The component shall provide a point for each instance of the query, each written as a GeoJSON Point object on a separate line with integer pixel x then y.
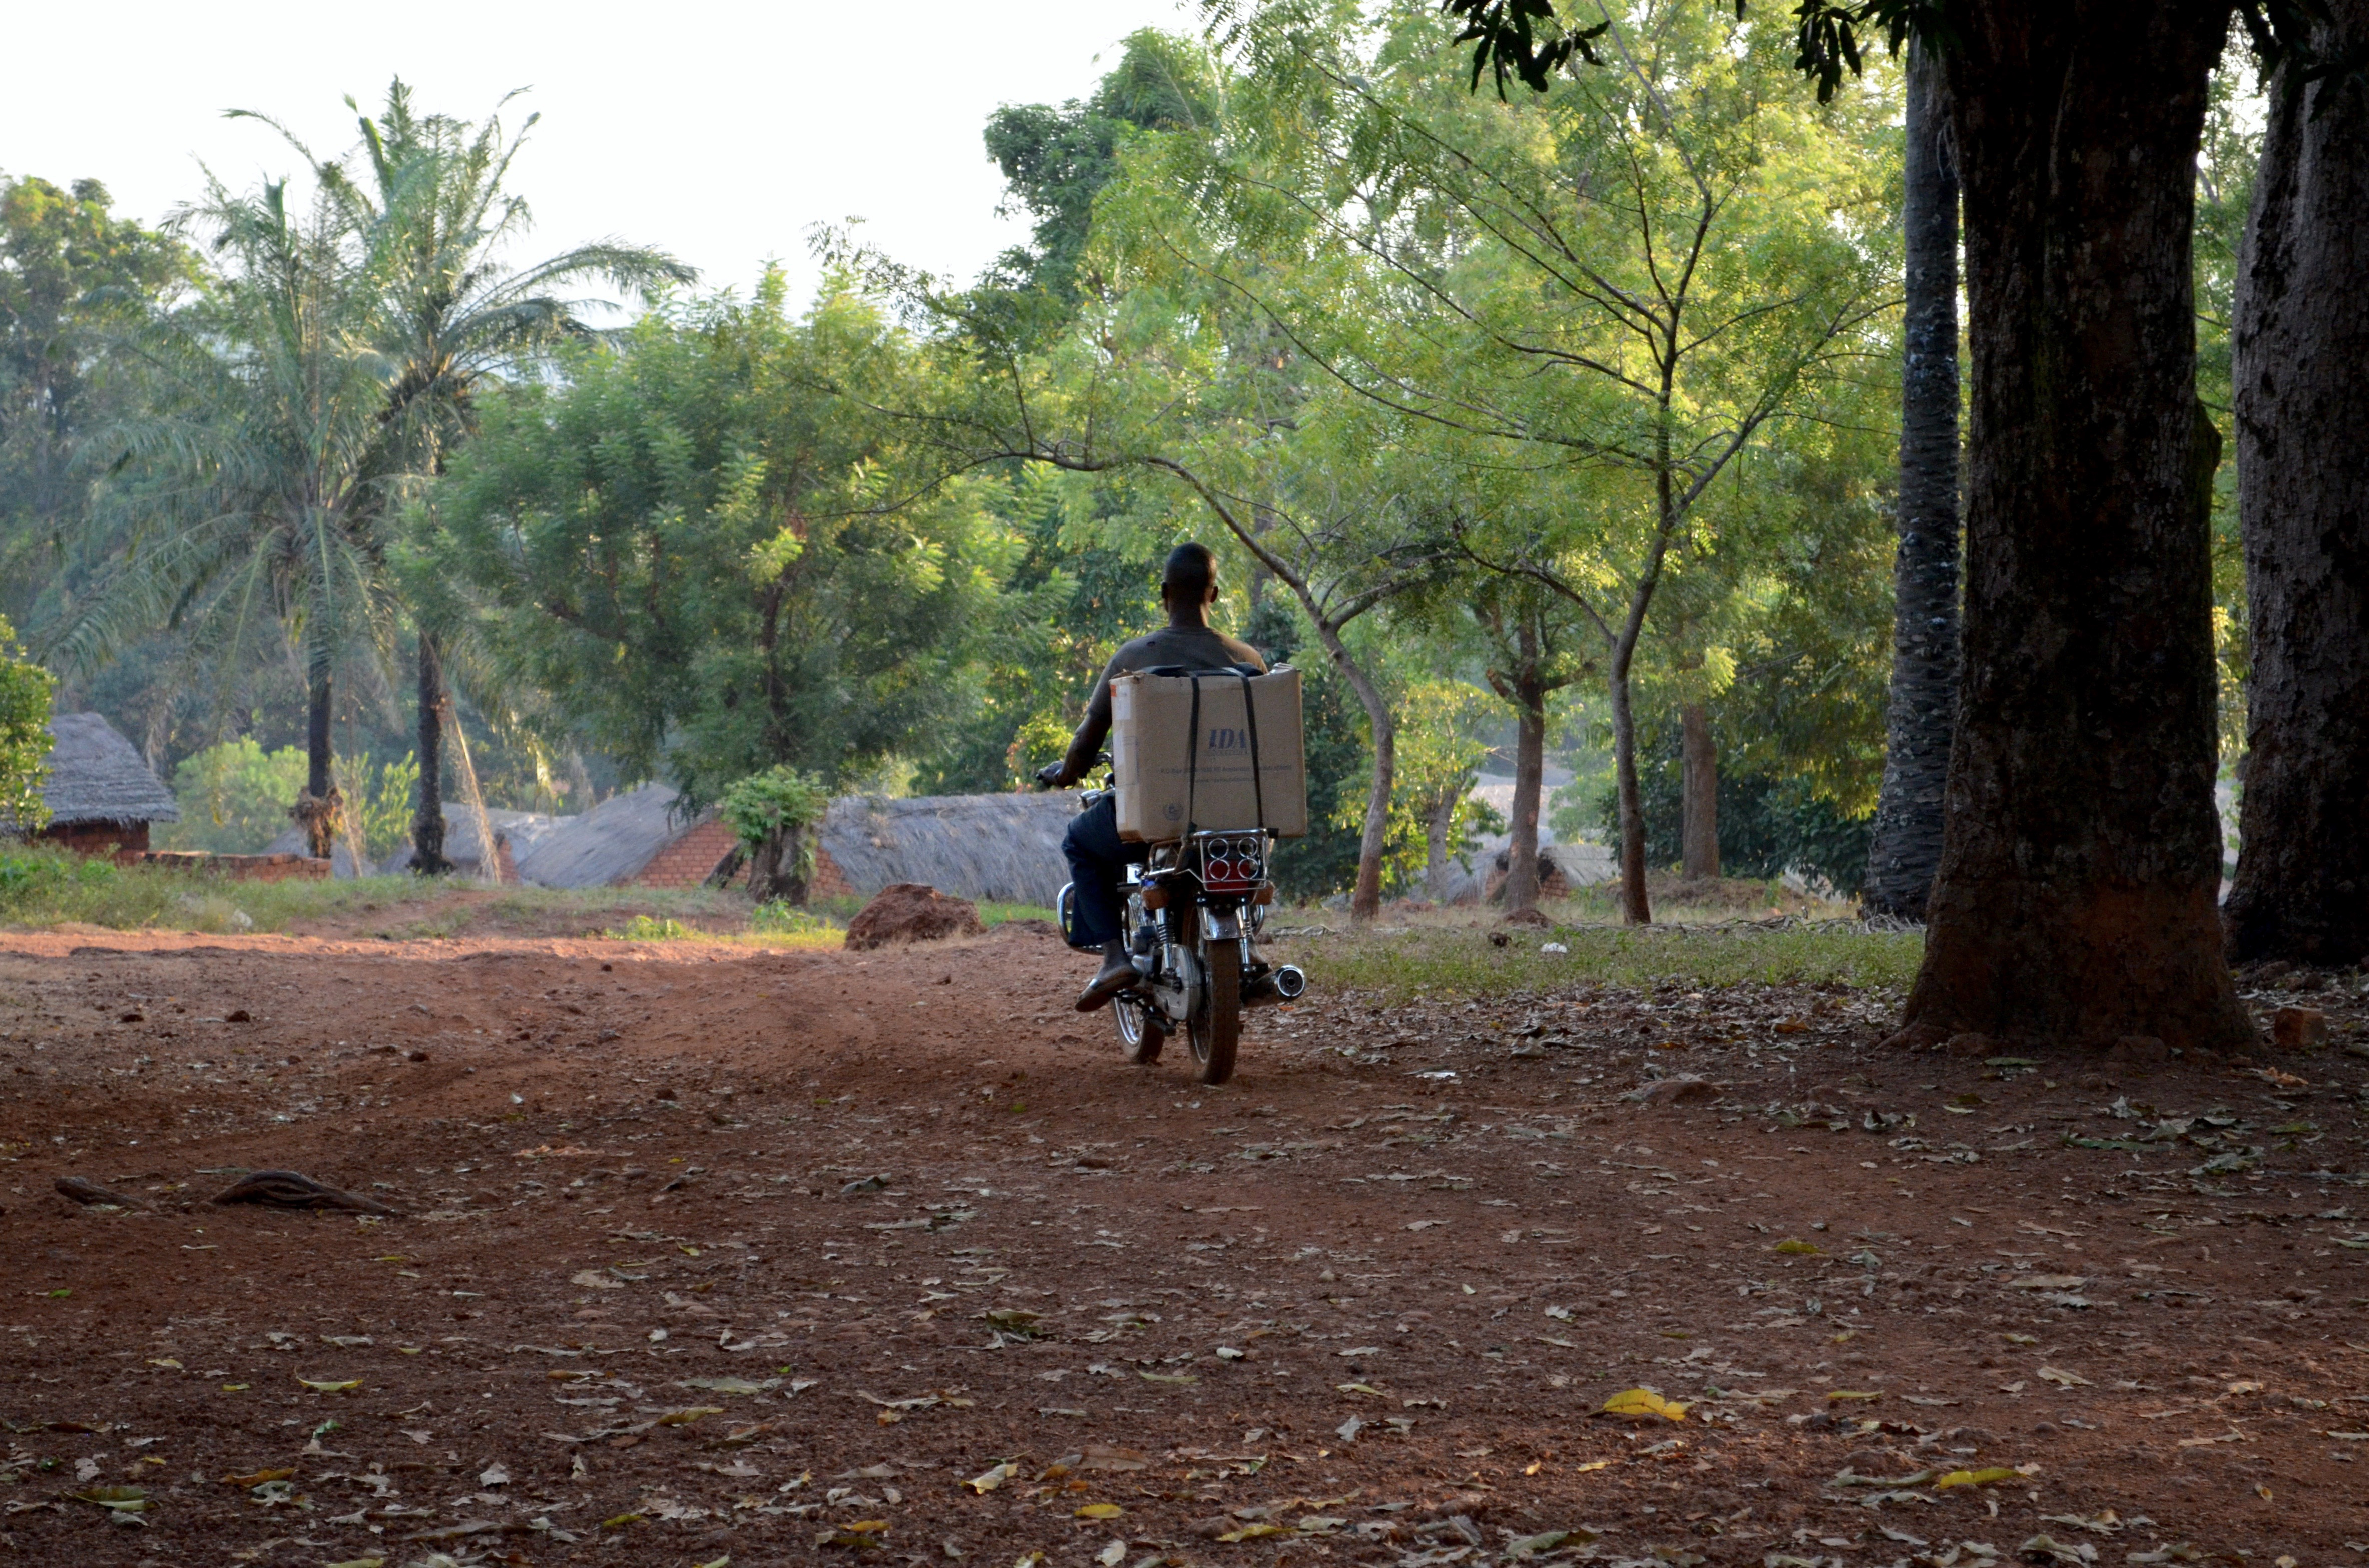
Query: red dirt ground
{"type": "Point", "coordinates": [932, 1225]}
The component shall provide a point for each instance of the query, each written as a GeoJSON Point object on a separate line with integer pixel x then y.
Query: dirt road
{"type": "Point", "coordinates": [704, 1253]}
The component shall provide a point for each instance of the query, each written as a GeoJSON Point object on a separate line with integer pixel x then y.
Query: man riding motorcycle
{"type": "Point", "coordinates": [1098, 856]}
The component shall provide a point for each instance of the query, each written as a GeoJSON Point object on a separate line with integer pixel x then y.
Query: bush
{"type": "Point", "coordinates": [1766, 827]}
{"type": "Point", "coordinates": [775, 918]}
{"type": "Point", "coordinates": [234, 799]}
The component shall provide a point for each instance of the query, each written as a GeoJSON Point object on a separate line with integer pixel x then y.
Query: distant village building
{"type": "Point", "coordinates": [101, 794]}
{"type": "Point", "coordinates": [1005, 847]}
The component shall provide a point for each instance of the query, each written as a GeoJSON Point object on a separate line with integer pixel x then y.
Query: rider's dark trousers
{"type": "Point", "coordinates": [1098, 861]}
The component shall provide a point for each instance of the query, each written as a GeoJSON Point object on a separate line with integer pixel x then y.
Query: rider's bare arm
{"type": "Point", "coordinates": [1087, 743]}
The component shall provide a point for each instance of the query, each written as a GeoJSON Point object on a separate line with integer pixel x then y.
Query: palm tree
{"type": "Point", "coordinates": [1906, 848]}
{"type": "Point", "coordinates": [432, 215]}
{"type": "Point", "coordinates": [251, 485]}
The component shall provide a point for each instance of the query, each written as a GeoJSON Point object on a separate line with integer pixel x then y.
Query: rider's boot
{"type": "Point", "coordinates": [1118, 973]}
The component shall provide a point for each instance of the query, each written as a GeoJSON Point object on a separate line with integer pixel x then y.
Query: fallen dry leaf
{"type": "Point", "coordinates": [1643, 1403]}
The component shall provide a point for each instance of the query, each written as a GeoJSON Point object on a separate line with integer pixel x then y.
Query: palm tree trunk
{"type": "Point", "coordinates": [2302, 494]}
{"type": "Point", "coordinates": [1698, 784]}
{"type": "Point", "coordinates": [1907, 844]}
{"type": "Point", "coordinates": [318, 808]}
{"type": "Point", "coordinates": [427, 827]}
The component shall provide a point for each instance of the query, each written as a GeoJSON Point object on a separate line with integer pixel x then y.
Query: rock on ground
{"type": "Point", "coordinates": [912, 912]}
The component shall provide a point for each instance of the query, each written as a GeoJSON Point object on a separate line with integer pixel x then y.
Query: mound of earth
{"type": "Point", "coordinates": [912, 912]}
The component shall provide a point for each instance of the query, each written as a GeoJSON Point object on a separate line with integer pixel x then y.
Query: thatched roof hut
{"type": "Point", "coordinates": [1001, 847]}
{"type": "Point", "coordinates": [100, 792]}
{"type": "Point", "coordinates": [98, 778]}
{"type": "Point", "coordinates": [1006, 847]}
{"type": "Point", "coordinates": [612, 843]}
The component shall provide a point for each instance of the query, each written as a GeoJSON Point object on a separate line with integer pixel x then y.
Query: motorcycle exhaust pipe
{"type": "Point", "coordinates": [1284, 984]}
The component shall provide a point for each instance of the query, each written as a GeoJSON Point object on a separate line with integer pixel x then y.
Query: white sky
{"type": "Point", "coordinates": [720, 130]}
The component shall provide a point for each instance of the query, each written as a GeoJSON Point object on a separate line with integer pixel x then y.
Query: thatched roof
{"type": "Point", "coordinates": [520, 830]}
{"type": "Point", "coordinates": [607, 845]}
{"type": "Point", "coordinates": [95, 775]}
{"type": "Point", "coordinates": [1002, 847]}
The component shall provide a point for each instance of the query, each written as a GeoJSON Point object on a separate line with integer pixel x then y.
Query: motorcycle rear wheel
{"type": "Point", "coordinates": [1216, 1027]}
{"type": "Point", "coordinates": [1140, 1034]}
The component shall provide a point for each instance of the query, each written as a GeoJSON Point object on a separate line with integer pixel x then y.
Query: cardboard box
{"type": "Point", "coordinates": [1157, 765]}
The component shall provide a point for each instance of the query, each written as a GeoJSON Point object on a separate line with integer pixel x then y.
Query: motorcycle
{"type": "Point", "coordinates": [1195, 911]}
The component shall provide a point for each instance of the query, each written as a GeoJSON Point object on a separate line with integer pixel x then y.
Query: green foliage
{"type": "Point", "coordinates": [1083, 583]}
{"type": "Point", "coordinates": [1339, 761]}
{"type": "Point", "coordinates": [712, 559]}
{"type": "Point", "coordinates": [245, 496]}
{"type": "Point", "coordinates": [650, 928]}
{"type": "Point", "coordinates": [71, 278]}
{"type": "Point", "coordinates": [32, 874]}
{"type": "Point", "coordinates": [379, 800]}
{"type": "Point", "coordinates": [2224, 195]}
{"type": "Point", "coordinates": [1767, 826]}
{"type": "Point", "coordinates": [775, 918]}
{"type": "Point", "coordinates": [235, 797]}
{"type": "Point", "coordinates": [25, 691]}
{"type": "Point", "coordinates": [777, 800]}
{"type": "Point", "coordinates": [1056, 161]}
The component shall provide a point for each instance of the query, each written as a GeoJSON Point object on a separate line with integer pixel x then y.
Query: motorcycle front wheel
{"type": "Point", "coordinates": [1216, 1026]}
{"type": "Point", "coordinates": [1140, 1029]}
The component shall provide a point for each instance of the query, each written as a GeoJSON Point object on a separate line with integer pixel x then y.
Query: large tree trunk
{"type": "Point", "coordinates": [2076, 899]}
{"type": "Point", "coordinates": [1634, 910]}
{"type": "Point", "coordinates": [1906, 843]}
{"type": "Point", "coordinates": [2301, 376]}
{"type": "Point", "coordinates": [427, 827]}
{"type": "Point", "coordinates": [1698, 788]}
{"type": "Point", "coordinates": [1529, 772]}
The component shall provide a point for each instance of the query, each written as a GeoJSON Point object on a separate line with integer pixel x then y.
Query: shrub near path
{"type": "Point", "coordinates": [709, 1250]}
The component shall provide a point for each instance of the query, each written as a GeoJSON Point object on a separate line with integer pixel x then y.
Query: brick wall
{"type": "Point", "coordinates": [686, 862]}
{"type": "Point", "coordinates": [830, 882]}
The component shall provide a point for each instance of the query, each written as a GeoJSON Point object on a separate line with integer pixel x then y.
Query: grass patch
{"type": "Point", "coordinates": [42, 885]}
{"type": "Point", "coordinates": [1464, 963]}
{"type": "Point", "coordinates": [993, 914]}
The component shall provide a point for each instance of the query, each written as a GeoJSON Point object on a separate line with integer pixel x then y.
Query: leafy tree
{"type": "Point", "coordinates": [2076, 894]}
{"type": "Point", "coordinates": [24, 689]}
{"type": "Point", "coordinates": [429, 205]}
{"type": "Point", "coordinates": [71, 275]}
{"type": "Point", "coordinates": [1620, 291]}
{"type": "Point", "coordinates": [1057, 161]}
{"type": "Point", "coordinates": [235, 797]}
{"type": "Point", "coordinates": [252, 484]}
{"type": "Point", "coordinates": [713, 558]}
{"type": "Point", "coordinates": [772, 815]}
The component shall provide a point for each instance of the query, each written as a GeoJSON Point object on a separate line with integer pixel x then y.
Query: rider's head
{"type": "Point", "coordinates": [1190, 578]}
